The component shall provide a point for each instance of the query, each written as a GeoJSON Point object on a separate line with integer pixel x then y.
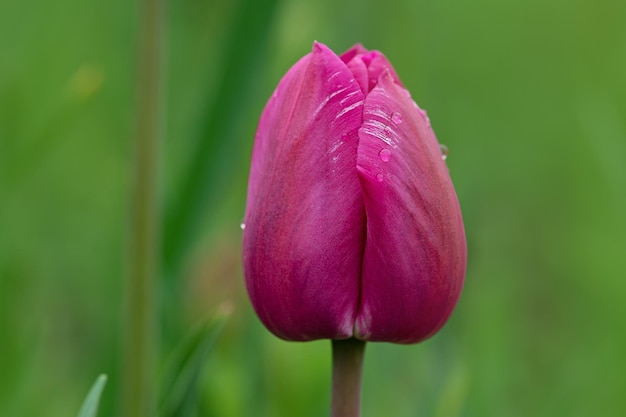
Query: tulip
{"type": "Point", "coordinates": [352, 226]}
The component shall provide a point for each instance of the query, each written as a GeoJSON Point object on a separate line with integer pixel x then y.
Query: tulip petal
{"type": "Point", "coordinates": [374, 63]}
{"type": "Point", "coordinates": [377, 63]}
{"type": "Point", "coordinates": [359, 70]}
{"type": "Point", "coordinates": [357, 49]}
{"type": "Point", "coordinates": [305, 221]}
{"type": "Point", "coordinates": [414, 258]}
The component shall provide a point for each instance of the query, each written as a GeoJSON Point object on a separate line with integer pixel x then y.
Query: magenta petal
{"type": "Point", "coordinates": [359, 70]}
{"type": "Point", "coordinates": [377, 64]}
{"type": "Point", "coordinates": [414, 259]}
{"type": "Point", "coordinates": [374, 62]}
{"type": "Point", "coordinates": [357, 49]}
{"type": "Point", "coordinates": [305, 221]}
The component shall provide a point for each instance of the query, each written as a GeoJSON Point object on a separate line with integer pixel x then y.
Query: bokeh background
{"type": "Point", "coordinates": [529, 96]}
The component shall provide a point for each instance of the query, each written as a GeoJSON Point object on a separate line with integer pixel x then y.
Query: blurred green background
{"type": "Point", "coordinates": [529, 96]}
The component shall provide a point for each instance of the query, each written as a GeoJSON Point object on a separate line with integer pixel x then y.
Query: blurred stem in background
{"type": "Point", "coordinates": [144, 246]}
{"type": "Point", "coordinates": [347, 370]}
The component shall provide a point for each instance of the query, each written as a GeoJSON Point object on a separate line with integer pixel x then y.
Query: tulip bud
{"type": "Point", "coordinates": [352, 225]}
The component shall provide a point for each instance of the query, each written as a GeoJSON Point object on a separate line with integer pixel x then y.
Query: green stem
{"type": "Point", "coordinates": [144, 234]}
{"type": "Point", "coordinates": [347, 369]}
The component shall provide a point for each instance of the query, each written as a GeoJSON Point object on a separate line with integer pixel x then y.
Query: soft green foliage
{"type": "Point", "coordinates": [529, 96]}
{"type": "Point", "coordinates": [179, 383]}
{"type": "Point", "coordinates": [90, 405]}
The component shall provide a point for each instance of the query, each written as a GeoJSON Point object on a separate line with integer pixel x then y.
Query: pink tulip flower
{"type": "Point", "coordinates": [352, 224]}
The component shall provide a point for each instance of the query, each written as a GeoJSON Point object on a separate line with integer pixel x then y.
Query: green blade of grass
{"type": "Point", "coordinates": [90, 405]}
{"type": "Point", "coordinates": [208, 176]}
{"type": "Point", "coordinates": [181, 376]}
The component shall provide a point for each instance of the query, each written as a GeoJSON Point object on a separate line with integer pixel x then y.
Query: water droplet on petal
{"type": "Point", "coordinates": [444, 151]}
{"type": "Point", "coordinates": [242, 226]}
{"type": "Point", "coordinates": [380, 177]}
{"type": "Point", "coordinates": [384, 155]}
{"type": "Point", "coordinates": [396, 117]}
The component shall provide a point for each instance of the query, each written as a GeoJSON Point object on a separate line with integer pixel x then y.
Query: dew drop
{"type": "Point", "coordinates": [444, 151]}
{"type": "Point", "coordinates": [242, 226]}
{"type": "Point", "coordinates": [396, 117]}
{"type": "Point", "coordinates": [380, 177]}
{"type": "Point", "coordinates": [385, 155]}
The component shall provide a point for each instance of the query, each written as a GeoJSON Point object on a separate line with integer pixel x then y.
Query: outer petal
{"type": "Point", "coordinates": [305, 220]}
{"type": "Point", "coordinates": [415, 253]}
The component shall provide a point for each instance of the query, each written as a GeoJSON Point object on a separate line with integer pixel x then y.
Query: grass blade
{"type": "Point", "coordinates": [90, 405]}
{"type": "Point", "coordinates": [208, 174]}
{"type": "Point", "coordinates": [180, 382]}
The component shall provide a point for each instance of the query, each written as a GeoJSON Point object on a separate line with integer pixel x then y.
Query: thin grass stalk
{"type": "Point", "coordinates": [144, 239]}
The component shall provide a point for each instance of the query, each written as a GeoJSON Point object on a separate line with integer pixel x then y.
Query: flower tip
{"type": "Point", "coordinates": [356, 49]}
{"type": "Point", "coordinates": [359, 48]}
{"type": "Point", "coordinates": [319, 49]}
{"type": "Point", "coordinates": [318, 46]}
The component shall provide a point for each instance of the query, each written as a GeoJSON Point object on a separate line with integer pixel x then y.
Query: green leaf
{"type": "Point", "coordinates": [90, 405]}
{"type": "Point", "coordinates": [209, 172]}
{"type": "Point", "coordinates": [181, 375]}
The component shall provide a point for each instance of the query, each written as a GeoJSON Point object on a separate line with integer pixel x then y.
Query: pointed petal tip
{"type": "Point", "coordinates": [319, 46]}
{"type": "Point", "coordinates": [321, 50]}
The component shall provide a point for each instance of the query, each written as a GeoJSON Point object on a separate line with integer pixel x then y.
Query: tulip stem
{"type": "Point", "coordinates": [347, 369]}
